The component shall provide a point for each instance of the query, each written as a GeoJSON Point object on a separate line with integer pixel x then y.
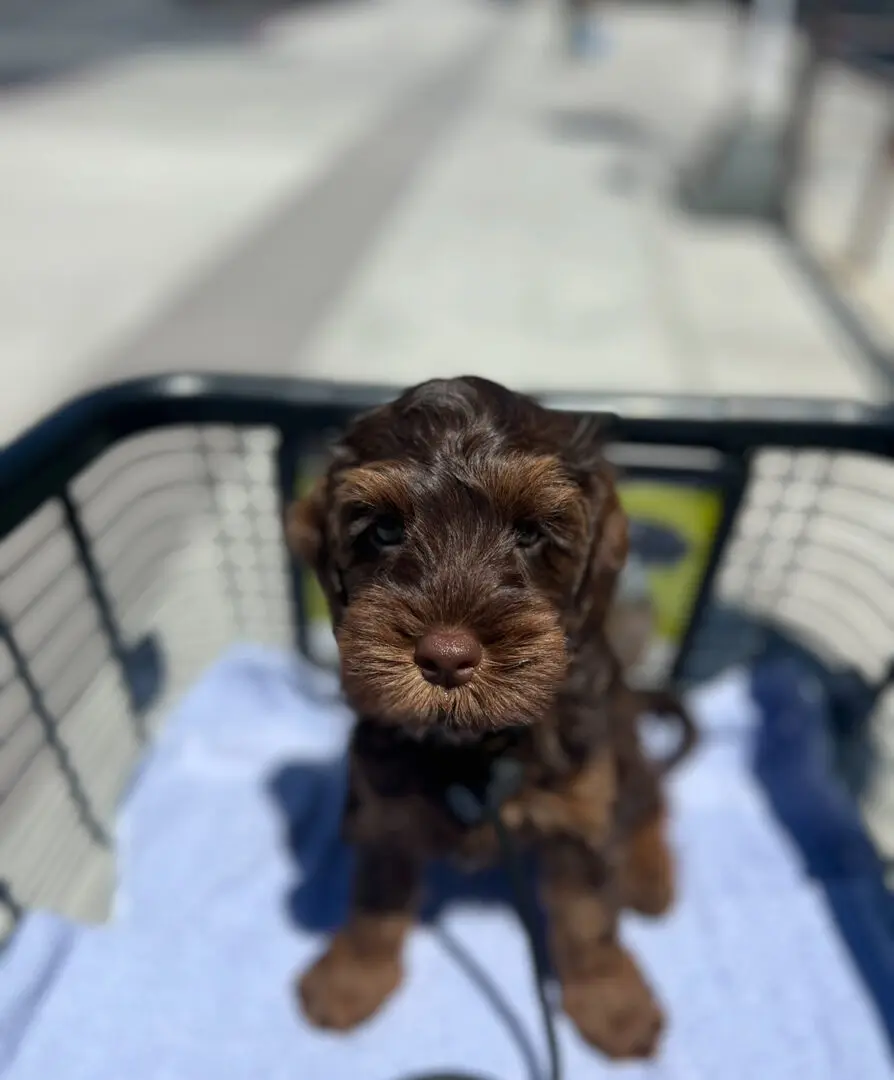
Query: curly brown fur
{"type": "Point", "coordinates": [469, 524]}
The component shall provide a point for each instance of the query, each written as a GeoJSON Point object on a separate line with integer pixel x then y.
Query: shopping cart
{"type": "Point", "coordinates": [141, 537]}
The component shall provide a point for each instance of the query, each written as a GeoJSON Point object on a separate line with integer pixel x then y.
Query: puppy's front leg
{"type": "Point", "coordinates": [363, 965]}
{"type": "Point", "coordinates": [646, 871]}
{"type": "Point", "coordinates": [603, 991]}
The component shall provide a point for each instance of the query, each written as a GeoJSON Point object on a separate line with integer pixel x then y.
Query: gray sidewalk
{"type": "Point", "coordinates": [541, 244]}
{"type": "Point", "coordinates": [387, 191]}
{"type": "Point", "coordinates": [851, 241]}
{"type": "Point", "coordinates": [127, 183]}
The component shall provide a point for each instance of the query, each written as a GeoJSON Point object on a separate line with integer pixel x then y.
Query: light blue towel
{"type": "Point", "coordinates": [221, 902]}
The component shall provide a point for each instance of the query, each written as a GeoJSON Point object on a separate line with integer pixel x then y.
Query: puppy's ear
{"type": "Point", "coordinates": [609, 545]}
{"type": "Point", "coordinates": [614, 545]}
{"type": "Point", "coordinates": [306, 524]}
{"type": "Point", "coordinates": [584, 451]}
{"type": "Point", "coordinates": [309, 539]}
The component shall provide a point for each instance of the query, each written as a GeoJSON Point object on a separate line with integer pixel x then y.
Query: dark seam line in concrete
{"type": "Point", "coordinates": [873, 357]}
{"type": "Point", "coordinates": [258, 309]}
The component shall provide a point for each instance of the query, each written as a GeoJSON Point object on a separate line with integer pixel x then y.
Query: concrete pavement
{"type": "Point", "coordinates": [554, 255]}
{"type": "Point", "coordinates": [854, 246]}
{"type": "Point", "coordinates": [125, 183]}
{"type": "Point", "coordinates": [204, 203]}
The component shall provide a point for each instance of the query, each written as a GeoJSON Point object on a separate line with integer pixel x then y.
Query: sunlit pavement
{"type": "Point", "coordinates": [378, 189]}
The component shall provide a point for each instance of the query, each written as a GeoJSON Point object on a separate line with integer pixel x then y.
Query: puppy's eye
{"type": "Point", "coordinates": [529, 534]}
{"type": "Point", "coordinates": [387, 531]}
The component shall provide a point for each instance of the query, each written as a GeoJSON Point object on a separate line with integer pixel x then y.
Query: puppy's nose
{"type": "Point", "coordinates": [448, 657]}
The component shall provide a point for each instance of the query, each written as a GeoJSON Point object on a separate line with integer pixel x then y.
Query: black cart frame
{"type": "Point", "coordinates": [152, 491]}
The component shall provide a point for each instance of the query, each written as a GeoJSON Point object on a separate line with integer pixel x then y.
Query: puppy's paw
{"type": "Point", "coordinates": [616, 1012]}
{"type": "Point", "coordinates": [342, 990]}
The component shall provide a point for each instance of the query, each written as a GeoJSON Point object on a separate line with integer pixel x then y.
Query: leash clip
{"type": "Point", "coordinates": [506, 777]}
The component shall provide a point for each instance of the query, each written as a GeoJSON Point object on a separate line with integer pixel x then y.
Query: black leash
{"type": "Point", "coordinates": [505, 781]}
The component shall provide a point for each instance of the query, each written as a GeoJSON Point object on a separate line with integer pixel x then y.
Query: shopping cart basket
{"type": "Point", "coordinates": [141, 537]}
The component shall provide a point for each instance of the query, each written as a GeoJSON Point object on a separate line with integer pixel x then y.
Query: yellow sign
{"type": "Point", "coordinates": [672, 529]}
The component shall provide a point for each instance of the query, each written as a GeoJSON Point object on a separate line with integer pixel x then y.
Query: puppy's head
{"type": "Point", "coordinates": [466, 539]}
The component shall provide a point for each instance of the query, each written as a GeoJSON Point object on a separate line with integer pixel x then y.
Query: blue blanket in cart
{"type": "Point", "coordinates": [230, 873]}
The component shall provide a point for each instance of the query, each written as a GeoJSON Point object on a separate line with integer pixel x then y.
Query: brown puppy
{"type": "Point", "coordinates": [468, 541]}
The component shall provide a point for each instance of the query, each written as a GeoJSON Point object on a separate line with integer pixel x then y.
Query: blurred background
{"type": "Point", "coordinates": [657, 197]}
{"type": "Point", "coordinates": [681, 198]}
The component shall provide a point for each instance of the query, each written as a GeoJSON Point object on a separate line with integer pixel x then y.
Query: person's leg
{"type": "Point", "coordinates": [584, 32]}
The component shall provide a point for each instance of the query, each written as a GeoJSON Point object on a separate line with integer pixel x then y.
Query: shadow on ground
{"type": "Point", "coordinates": [45, 40]}
{"type": "Point", "coordinates": [600, 126]}
{"type": "Point", "coordinates": [308, 799]}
